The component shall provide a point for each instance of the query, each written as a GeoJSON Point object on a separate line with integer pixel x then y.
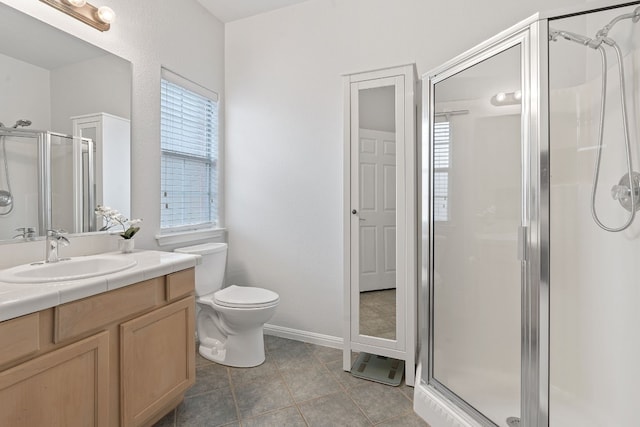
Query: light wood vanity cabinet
{"type": "Point", "coordinates": [157, 360]}
{"type": "Point", "coordinates": [120, 358]}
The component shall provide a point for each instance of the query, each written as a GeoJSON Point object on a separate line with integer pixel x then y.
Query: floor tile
{"type": "Point", "coordinates": [272, 342]}
{"type": "Point", "coordinates": [261, 396]}
{"type": "Point", "coordinates": [409, 420]}
{"type": "Point", "coordinates": [287, 417]}
{"type": "Point", "coordinates": [215, 408]}
{"type": "Point", "coordinates": [406, 390]}
{"type": "Point", "coordinates": [325, 354]}
{"type": "Point", "coordinates": [299, 384]}
{"type": "Point", "coordinates": [380, 402]}
{"type": "Point", "coordinates": [243, 375]}
{"type": "Point", "coordinates": [295, 354]}
{"type": "Point", "coordinates": [168, 420]}
{"type": "Point", "coordinates": [378, 313]}
{"type": "Point", "coordinates": [333, 410]}
{"type": "Point", "coordinates": [343, 377]}
{"type": "Point", "coordinates": [208, 378]}
{"type": "Point", "coordinates": [310, 382]}
{"type": "Point", "coordinates": [200, 361]}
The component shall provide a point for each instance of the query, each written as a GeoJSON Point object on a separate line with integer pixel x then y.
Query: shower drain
{"type": "Point", "coordinates": [513, 422]}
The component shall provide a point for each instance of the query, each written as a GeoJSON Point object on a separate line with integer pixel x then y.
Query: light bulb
{"type": "Point", "coordinates": [77, 3]}
{"type": "Point", "coordinates": [106, 14]}
{"type": "Point", "coordinates": [517, 95]}
{"type": "Point", "coordinates": [501, 96]}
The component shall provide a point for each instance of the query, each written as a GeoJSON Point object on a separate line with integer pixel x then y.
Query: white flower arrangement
{"type": "Point", "coordinates": [114, 218]}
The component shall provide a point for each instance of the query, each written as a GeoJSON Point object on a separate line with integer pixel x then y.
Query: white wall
{"type": "Point", "coordinates": [28, 88]}
{"type": "Point", "coordinates": [284, 129]}
{"type": "Point", "coordinates": [97, 85]}
{"type": "Point", "coordinates": [178, 34]}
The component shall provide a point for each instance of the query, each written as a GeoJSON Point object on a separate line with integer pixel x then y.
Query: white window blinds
{"type": "Point", "coordinates": [441, 164]}
{"type": "Point", "coordinates": [189, 144]}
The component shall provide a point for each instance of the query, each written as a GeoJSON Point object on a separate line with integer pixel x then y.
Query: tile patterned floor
{"type": "Point", "coordinates": [298, 385]}
{"type": "Point", "coordinates": [378, 313]}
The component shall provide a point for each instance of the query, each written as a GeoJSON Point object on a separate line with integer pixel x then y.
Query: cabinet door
{"type": "Point", "coordinates": [67, 387]}
{"type": "Point", "coordinates": [157, 360]}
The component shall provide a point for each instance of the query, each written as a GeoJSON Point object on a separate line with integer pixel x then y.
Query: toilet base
{"type": "Point", "coordinates": [244, 350]}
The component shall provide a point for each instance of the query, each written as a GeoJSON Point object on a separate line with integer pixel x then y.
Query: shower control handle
{"type": "Point", "coordinates": [620, 191]}
{"type": "Point", "coordinates": [627, 191]}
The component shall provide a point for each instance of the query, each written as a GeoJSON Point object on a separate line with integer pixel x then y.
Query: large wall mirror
{"type": "Point", "coordinates": [375, 235]}
{"type": "Point", "coordinates": [380, 237]}
{"type": "Point", "coordinates": [52, 84]}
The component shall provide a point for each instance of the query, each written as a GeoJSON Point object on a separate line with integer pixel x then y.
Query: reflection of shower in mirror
{"type": "Point", "coordinates": [6, 198]}
{"type": "Point", "coordinates": [47, 180]}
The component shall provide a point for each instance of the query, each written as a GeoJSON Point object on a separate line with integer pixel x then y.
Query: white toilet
{"type": "Point", "coordinates": [230, 320]}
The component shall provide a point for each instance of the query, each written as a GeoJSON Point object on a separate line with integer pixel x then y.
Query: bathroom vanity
{"type": "Point", "coordinates": [117, 349]}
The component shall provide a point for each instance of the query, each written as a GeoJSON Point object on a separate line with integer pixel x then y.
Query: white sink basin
{"type": "Point", "coordinates": [71, 269]}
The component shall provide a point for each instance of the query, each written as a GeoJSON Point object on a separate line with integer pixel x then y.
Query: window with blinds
{"type": "Point", "coordinates": [189, 144]}
{"type": "Point", "coordinates": [441, 164]}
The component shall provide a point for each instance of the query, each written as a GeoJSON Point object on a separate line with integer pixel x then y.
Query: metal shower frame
{"type": "Point", "coordinates": [532, 35]}
{"type": "Point", "coordinates": [43, 140]}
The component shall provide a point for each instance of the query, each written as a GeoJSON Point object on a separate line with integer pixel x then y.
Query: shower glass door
{"type": "Point", "coordinates": [476, 198]}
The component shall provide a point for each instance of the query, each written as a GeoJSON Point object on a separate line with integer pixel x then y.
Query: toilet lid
{"type": "Point", "coordinates": [245, 296]}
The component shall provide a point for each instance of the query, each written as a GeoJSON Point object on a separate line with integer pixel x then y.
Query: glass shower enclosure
{"type": "Point", "coordinates": [47, 180]}
{"type": "Point", "coordinates": [530, 243]}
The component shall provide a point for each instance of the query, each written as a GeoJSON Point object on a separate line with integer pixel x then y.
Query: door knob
{"type": "Point", "coordinates": [354, 211]}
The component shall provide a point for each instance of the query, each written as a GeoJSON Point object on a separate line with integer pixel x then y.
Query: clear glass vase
{"type": "Point", "coordinates": [126, 245]}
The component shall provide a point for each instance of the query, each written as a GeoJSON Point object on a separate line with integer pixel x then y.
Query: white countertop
{"type": "Point", "coordinates": [18, 299]}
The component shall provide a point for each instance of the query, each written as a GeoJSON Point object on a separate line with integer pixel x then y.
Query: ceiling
{"type": "Point", "coordinates": [231, 10]}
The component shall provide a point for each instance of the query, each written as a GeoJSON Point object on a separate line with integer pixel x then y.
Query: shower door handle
{"type": "Point", "coordinates": [522, 243]}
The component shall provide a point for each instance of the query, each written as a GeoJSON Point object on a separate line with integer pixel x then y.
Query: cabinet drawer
{"type": "Point", "coordinates": [180, 284]}
{"type": "Point", "coordinates": [92, 313]}
{"type": "Point", "coordinates": [19, 337]}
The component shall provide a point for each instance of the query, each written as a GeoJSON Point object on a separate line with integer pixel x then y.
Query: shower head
{"type": "Point", "coordinates": [23, 123]}
{"type": "Point", "coordinates": [568, 35]}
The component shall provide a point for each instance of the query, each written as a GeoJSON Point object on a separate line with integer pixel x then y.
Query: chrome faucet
{"type": "Point", "coordinates": [54, 240]}
{"type": "Point", "coordinates": [26, 233]}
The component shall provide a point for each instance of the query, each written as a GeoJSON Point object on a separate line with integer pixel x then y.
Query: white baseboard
{"type": "Point", "coordinates": [304, 336]}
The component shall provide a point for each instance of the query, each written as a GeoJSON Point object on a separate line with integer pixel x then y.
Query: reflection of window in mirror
{"type": "Point", "coordinates": [189, 144]}
{"type": "Point", "coordinates": [441, 164]}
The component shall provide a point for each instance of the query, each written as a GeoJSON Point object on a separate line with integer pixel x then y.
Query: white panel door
{"type": "Point", "coordinates": [377, 185]}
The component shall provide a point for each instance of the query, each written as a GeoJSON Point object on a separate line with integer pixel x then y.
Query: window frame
{"type": "Point", "coordinates": [190, 232]}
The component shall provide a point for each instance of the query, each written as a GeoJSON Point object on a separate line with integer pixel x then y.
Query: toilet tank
{"type": "Point", "coordinates": [210, 270]}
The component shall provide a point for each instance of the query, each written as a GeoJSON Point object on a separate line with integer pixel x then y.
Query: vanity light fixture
{"type": "Point", "coordinates": [506, 98]}
{"type": "Point", "coordinates": [99, 18]}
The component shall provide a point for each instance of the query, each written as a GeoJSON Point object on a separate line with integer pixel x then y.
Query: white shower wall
{"type": "Point", "coordinates": [594, 274]}
{"type": "Point", "coordinates": [23, 178]}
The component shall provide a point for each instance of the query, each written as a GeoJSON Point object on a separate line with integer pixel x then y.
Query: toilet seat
{"type": "Point", "coordinates": [242, 297]}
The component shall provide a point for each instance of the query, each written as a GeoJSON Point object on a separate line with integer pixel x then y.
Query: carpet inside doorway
{"type": "Point", "coordinates": [380, 369]}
